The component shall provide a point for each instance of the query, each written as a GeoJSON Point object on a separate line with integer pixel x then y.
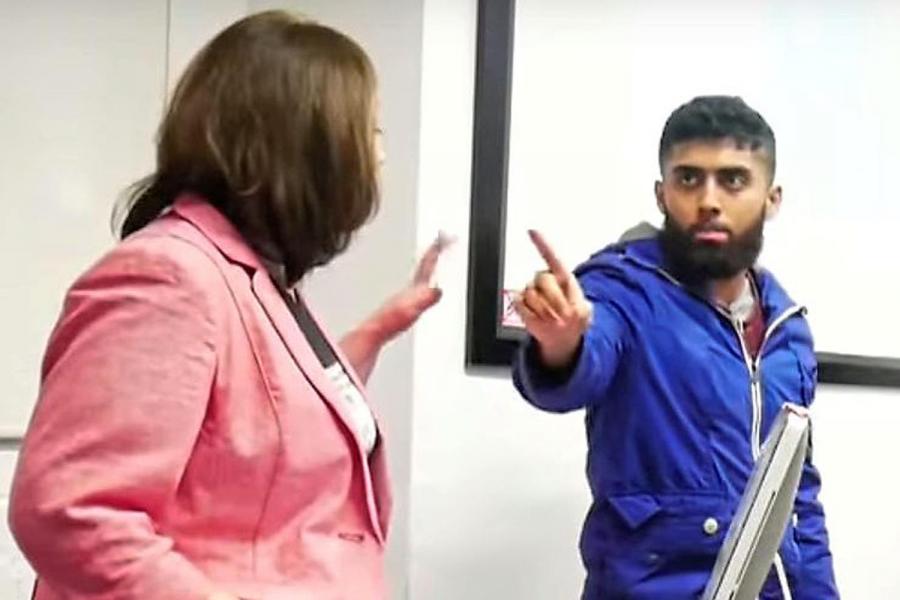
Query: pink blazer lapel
{"type": "Point", "coordinates": [212, 224]}
{"type": "Point", "coordinates": [378, 460]}
{"type": "Point", "coordinates": [307, 361]}
{"type": "Point", "coordinates": [284, 323]}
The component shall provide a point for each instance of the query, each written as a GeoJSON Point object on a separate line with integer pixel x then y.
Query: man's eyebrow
{"type": "Point", "coordinates": [734, 170]}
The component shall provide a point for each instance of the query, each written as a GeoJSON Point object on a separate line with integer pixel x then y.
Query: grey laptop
{"type": "Point", "coordinates": [750, 547]}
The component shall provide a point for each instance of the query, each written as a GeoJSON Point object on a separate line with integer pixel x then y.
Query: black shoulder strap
{"type": "Point", "coordinates": [311, 330]}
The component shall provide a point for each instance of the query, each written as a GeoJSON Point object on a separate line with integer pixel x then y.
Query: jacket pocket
{"type": "Point", "coordinates": [645, 546]}
{"type": "Point", "coordinates": [635, 510]}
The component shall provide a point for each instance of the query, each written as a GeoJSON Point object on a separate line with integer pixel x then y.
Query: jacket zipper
{"type": "Point", "coordinates": [753, 369]}
{"type": "Point", "coordinates": [753, 365]}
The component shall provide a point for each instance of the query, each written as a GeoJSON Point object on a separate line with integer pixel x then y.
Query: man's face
{"type": "Point", "coordinates": [715, 197]}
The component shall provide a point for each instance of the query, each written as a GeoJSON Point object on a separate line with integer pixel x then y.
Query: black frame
{"type": "Point", "coordinates": [488, 343]}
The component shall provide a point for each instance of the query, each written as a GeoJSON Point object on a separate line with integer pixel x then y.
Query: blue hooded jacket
{"type": "Point", "coordinates": [676, 411]}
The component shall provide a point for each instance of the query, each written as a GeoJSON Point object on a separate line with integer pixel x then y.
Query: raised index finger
{"type": "Point", "coordinates": [555, 265]}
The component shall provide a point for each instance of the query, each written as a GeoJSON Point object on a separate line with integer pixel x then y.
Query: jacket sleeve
{"type": "Point", "coordinates": [125, 386]}
{"type": "Point", "coordinates": [586, 382]}
{"type": "Point", "coordinates": [818, 581]}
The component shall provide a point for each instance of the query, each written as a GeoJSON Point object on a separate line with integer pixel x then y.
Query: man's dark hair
{"type": "Point", "coordinates": [715, 118]}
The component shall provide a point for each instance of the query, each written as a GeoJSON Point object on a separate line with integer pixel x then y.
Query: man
{"type": "Point", "coordinates": [682, 352]}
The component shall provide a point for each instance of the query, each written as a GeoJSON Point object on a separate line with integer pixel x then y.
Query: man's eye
{"type": "Point", "coordinates": [688, 179]}
{"type": "Point", "coordinates": [735, 180]}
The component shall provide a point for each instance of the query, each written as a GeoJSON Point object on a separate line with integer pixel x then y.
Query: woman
{"type": "Point", "coordinates": [197, 435]}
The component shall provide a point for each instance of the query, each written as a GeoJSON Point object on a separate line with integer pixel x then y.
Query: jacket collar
{"type": "Point", "coordinates": [218, 229]}
{"type": "Point", "coordinates": [645, 251]}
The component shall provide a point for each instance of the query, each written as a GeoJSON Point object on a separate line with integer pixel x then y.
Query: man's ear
{"type": "Point", "coordinates": [773, 202]}
{"type": "Point", "coordinates": [660, 198]}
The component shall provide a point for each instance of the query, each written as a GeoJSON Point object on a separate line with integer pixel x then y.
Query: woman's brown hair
{"type": "Point", "coordinates": [273, 123]}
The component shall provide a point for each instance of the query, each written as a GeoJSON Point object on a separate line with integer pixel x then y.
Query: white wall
{"type": "Point", "coordinates": [16, 576]}
{"type": "Point", "coordinates": [855, 440]}
{"type": "Point", "coordinates": [77, 121]}
{"type": "Point", "coordinates": [498, 491]}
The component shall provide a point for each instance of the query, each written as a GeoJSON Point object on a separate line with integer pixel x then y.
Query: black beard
{"type": "Point", "coordinates": [697, 263]}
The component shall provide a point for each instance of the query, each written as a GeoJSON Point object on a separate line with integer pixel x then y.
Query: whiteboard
{"type": "Point", "coordinates": [592, 86]}
{"type": "Point", "coordinates": [82, 96]}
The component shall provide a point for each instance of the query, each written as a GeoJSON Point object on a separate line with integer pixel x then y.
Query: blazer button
{"type": "Point", "coordinates": [710, 526]}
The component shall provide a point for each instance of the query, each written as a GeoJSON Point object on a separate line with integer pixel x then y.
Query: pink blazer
{"type": "Point", "coordinates": [187, 439]}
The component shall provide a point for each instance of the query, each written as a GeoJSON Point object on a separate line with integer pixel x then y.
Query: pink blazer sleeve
{"type": "Point", "coordinates": [125, 385]}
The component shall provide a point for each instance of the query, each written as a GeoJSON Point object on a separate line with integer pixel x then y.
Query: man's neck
{"type": "Point", "coordinates": [726, 291]}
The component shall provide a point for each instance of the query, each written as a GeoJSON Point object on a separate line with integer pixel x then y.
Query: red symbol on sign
{"type": "Point", "coordinates": [509, 317]}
